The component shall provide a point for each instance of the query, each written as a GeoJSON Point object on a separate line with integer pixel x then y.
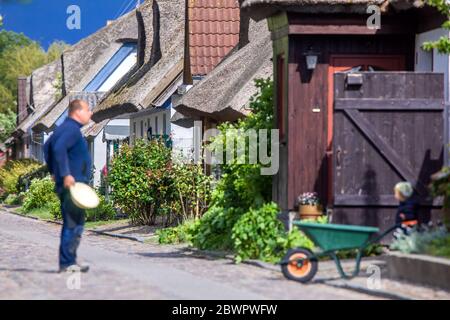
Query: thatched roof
{"type": "Point", "coordinates": [93, 129]}
{"type": "Point", "coordinates": [42, 93]}
{"type": "Point", "coordinates": [91, 98]}
{"type": "Point", "coordinates": [225, 92]}
{"type": "Point", "coordinates": [260, 9]}
{"type": "Point", "coordinates": [163, 67]}
{"type": "Point", "coordinates": [82, 61]}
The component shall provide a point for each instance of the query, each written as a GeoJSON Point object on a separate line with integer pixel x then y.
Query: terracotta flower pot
{"type": "Point", "coordinates": [307, 211]}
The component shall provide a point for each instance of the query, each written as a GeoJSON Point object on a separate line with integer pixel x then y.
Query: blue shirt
{"type": "Point", "coordinates": [66, 153]}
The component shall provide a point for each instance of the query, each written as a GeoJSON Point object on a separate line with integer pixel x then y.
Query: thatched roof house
{"type": "Point", "coordinates": [163, 30]}
{"type": "Point", "coordinates": [82, 61]}
{"type": "Point", "coordinates": [224, 93]}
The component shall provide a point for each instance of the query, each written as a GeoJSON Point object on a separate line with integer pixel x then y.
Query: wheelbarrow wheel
{"type": "Point", "coordinates": [301, 271]}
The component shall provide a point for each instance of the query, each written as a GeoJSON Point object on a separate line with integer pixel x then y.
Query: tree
{"type": "Point", "coordinates": [7, 124]}
{"type": "Point", "coordinates": [7, 100]}
{"type": "Point", "coordinates": [19, 56]}
{"type": "Point", "coordinates": [55, 50]}
{"type": "Point", "coordinates": [443, 44]}
{"type": "Point", "coordinates": [15, 62]}
{"type": "Point", "coordinates": [11, 39]}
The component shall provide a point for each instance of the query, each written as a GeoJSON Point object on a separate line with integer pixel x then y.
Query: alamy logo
{"type": "Point", "coordinates": [237, 146]}
{"type": "Point", "coordinates": [374, 20]}
{"type": "Point", "coordinates": [73, 22]}
{"type": "Point", "coordinates": [73, 281]}
{"type": "Point", "coordinates": [374, 279]}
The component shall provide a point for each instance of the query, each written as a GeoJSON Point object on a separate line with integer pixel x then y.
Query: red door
{"type": "Point", "coordinates": [352, 63]}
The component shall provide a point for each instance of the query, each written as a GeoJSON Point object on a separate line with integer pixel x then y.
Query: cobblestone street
{"type": "Point", "coordinates": [124, 269]}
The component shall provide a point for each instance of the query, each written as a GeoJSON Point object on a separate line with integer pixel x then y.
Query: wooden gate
{"type": "Point", "coordinates": [388, 127]}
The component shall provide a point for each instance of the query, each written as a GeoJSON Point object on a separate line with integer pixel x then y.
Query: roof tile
{"type": "Point", "coordinates": [214, 31]}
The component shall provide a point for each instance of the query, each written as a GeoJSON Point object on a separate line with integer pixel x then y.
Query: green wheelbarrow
{"type": "Point", "coordinates": [301, 264]}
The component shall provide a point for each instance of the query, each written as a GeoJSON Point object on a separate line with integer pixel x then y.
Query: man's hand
{"type": "Point", "coordinates": [68, 181]}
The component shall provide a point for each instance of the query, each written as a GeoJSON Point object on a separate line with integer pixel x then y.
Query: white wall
{"type": "Point", "coordinates": [182, 138]}
{"type": "Point", "coordinates": [433, 61]}
{"type": "Point", "coordinates": [99, 149]}
{"type": "Point", "coordinates": [98, 156]}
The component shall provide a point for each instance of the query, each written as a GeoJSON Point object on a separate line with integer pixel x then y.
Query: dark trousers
{"type": "Point", "coordinates": [73, 226]}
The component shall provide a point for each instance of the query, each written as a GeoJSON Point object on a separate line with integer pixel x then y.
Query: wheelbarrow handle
{"type": "Point", "coordinates": [381, 236]}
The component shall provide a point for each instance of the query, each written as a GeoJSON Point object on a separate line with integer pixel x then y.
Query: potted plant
{"type": "Point", "coordinates": [309, 206]}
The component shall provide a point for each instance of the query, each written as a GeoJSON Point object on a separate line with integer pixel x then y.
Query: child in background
{"type": "Point", "coordinates": [407, 212]}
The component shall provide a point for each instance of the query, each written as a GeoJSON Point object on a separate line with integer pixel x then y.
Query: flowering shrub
{"type": "Point", "coordinates": [308, 198]}
{"type": "Point", "coordinates": [41, 194]}
{"type": "Point", "coordinates": [147, 184]}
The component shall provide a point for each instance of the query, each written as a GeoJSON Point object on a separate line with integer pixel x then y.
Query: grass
{"type": "Point", "coordinates": [40, 213]}
{"type": "Point", "coordinates": [95, 224]}
{"type": "Point", "coordinates": [44, 214]}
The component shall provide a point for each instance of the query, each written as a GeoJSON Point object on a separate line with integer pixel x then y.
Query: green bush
{"type": "Point", "coordinates": [178, 234]}
{"type": "Point", "coordinates": [214, 229]}
{"type": "Point", "coordinates": [11, 172]}
{"type": "Point", "coordinates": [147, 184]}
{"type": "Point", "coordinates": [439, 247]}
{"type": "Point", "coordinates": [242, 189]}
{"type": "Point", "coordinates": [54, 208]}
{"type": "Point", "coordinates": [24, 181]}
{"type": "Point", "coordinates": [259, 234]}
{"type": "Point", "coordinates": [193, 191]}
{"type": "Point", "coordinates": [105, 211]}
{"type": "Point", "coordinates": [12, 199]}
{"type": "Point", "coordinates": [41, 194]}
{"type": "Point", "coordinates": [141, 182]}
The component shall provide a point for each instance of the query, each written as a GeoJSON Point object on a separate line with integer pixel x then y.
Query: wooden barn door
{"type": "Point", "coordinates": [388, 127]}
{"type": "Point", "coordinates": [352, 63]}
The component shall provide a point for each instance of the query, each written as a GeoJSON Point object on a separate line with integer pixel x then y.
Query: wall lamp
{"type": "Point", "coordinates": [311, 58]}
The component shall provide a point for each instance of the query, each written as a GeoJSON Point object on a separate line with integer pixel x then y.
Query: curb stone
{"type": "Point", "coordinates": [361, 289]}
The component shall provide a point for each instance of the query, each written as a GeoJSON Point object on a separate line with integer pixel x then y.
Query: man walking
{"type": "Point", "coordinates": [67, 157]}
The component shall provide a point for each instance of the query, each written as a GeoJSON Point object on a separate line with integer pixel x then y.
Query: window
{"type": "Point", "coordinates": [280, 97]}
{"type": "Point", "coordinates": [142, 128]}
{"type": "Point", "coordinates": [120, 63]}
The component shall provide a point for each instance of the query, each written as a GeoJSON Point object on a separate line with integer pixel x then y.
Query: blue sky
{"type": "Point", "coordinates": [45, 20]}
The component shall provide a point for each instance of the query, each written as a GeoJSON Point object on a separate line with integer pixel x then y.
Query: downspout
{"type": "Point", "coordinates": [187, 74]}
